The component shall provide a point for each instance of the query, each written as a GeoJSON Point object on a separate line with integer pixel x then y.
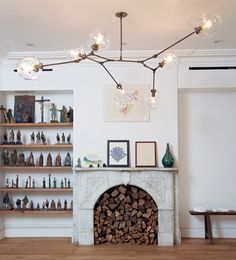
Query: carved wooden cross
{"type": "Point", "coordinates": [41, 102]}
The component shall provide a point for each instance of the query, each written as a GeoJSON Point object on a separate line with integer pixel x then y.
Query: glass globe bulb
{"type": "Point", "coordinates": [208, 24]}
{"type": "Point", "coordinates": [27, 68]}
{"type": "Point", "coordinates": [98, 40]}
{"type": "Point", "coordinates": [153, 102]}
{"type": "Point", "coordinates": [168, 59]}
{"type": "Point", "coordinates": [76, 54]}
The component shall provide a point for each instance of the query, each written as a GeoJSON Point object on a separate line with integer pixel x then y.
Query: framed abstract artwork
{"type": "Point", "coordinates": [133, 105]}
{"type": "Point", "coordinates": [118, 153]}
{"type": "Point", "coordinates": [145, 154]}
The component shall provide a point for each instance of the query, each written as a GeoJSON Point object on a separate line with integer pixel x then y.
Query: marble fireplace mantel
{"type": "Point", "coordinates": [160, 183]}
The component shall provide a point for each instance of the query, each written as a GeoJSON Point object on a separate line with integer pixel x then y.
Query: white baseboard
{"type": "Point", "coordinates": [200, 232]}
{"type": "Point", "coordinates": [38, 232]}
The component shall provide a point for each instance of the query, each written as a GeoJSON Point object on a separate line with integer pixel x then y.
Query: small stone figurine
{"type": "Point", "coordinates": [78, 163]}
{"type": "Point", "coordinates": [5, 138]}
{"type": "Point", "coordinates": [68, 139]}
{"type": "Point", "coordinates": [53, 205]}
{"type": "Point", "coordinates": [5, 158]}
{"type": "Point", "coordinates": [18, 137]}
{"type": "Point", "coordinates": [38, 138]}
{"type": "Point", "coordinates": [43, 138]}
{"type": "Point", "coordinates": [25, 202]}
{"type": "Point", "coordinates": [44, 183]}
{"type": "Point", "coordinates": [59, 204]}
{"type": "Point", "coordinates": [63, 116]}
{"type": "Point", "coordinates": [41, 160]}
{"type": "Point", "coordinates": [63, 138]}
{"type": "Point", "coordinates": [68, 160]}
{"type": "Point", "coordinates": [31, 160]}
{"type": "Point", "coordinates": [53, 110]}
{"type": "Point", "coordinates": [58, 138]}
{"type": "Point", "coordinates": [12, 137]}
{"type": "Point", "coordinates": [49, 160]}
{"type": "Point", "coordinates": [32, 138]}
{"type": "Point", "coordinates": [58, 160]}
{"type": "Point", "coordinates": [54, 183]}
{"type": "Point", "coordinates": [70, 114]}
{"type": "Point", "coordinates": [21, 159]}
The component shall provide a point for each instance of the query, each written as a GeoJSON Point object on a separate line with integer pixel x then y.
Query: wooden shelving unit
{"type": "Point", "coordinates": [34, 212]}
{"type": "Point", "coordinates": [36, 189]}
{"type": "Point", "coordinates": [36, 124]}
{"type": "Point", "coordinates": [38, 146]}
{"type": "Point", "coordinates": [35, 168]}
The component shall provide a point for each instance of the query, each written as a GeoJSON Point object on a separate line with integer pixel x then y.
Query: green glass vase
{"type": "Point", "coordinates": [168, 160]}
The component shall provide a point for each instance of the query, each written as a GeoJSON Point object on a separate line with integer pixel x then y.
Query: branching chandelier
{"type": "Point", "coordinates": [206, 24]}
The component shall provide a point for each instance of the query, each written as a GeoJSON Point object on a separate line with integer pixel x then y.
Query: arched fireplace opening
{"type": "Point", "coordinates": [125, 214]}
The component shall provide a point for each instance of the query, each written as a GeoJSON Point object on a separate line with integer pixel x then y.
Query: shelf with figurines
{"type": "Point", "coordinates": [38, 140]}
{"type": "Point", "coordinates": [35, 211]}
{"type": "Point", "coordinates": [17, 160]}
{"type": "Point", "coordinates": [27, 206]}
{"type": "Point", "coordinates": [48, 124]}
{"type": "Point", "coordinates": [32, 185]}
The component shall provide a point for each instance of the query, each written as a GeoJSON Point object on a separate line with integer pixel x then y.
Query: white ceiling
{"type": "Point", "coordinates": [57, 25]}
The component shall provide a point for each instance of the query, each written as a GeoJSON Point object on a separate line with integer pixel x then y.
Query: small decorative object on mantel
{"type": "Point", "coordinates": [168, 160]}
{"type": "Point", "coordinates": [91, 160]}
{"type": "Point", "coordinates": [10, 117]}
{"type": "Point", "coordinates": [78, 163]}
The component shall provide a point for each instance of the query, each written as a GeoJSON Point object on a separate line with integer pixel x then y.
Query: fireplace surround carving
{"type": "Point", "coordinates": [160, 183]}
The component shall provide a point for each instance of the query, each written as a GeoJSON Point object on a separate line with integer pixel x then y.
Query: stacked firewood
{"type": "Point", "coordinates": [125, 214]}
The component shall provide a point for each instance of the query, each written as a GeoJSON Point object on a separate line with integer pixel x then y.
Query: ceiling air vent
{"type": "Point", "coordinates": [213, 68]}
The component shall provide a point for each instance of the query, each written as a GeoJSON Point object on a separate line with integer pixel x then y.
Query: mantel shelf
{"type": "Point", "coordinates": [35, 212]}
{"type": "Point", "coordinates": [43, 168]}
{"type": "Point", "coordinates": [37, 124]}
{"type": "Point", "coordinates": [29, 146]}
{"type": "Point", "coordinates": [36, 189]}
{"type": "Point", "coordinates": [125, 169]}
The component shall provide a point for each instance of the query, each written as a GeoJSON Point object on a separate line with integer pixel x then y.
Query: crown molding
{"type": "Point", "coordinates": [126, 54]}
{"type": "Point", "coordinates": [3, 52]}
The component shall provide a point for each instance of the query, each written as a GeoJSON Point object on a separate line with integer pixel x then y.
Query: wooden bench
{"type": "Point", "coordinates": [207, 219]}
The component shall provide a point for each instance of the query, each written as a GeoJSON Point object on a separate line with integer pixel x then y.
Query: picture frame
{"type": "Point", "coordinates": [24, 109]}
{"type": "Point", "coordinates": [118, 153]}
{"type": "Point", "coordinates": [131, 106]}
{"type": "Point", "coordinates": [145, 154]}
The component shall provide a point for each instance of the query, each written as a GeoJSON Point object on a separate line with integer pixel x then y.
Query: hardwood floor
{"type": "Point", "coordinates": [62, 248]}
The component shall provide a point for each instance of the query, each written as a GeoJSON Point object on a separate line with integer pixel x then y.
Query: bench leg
{"type": "Point", "coordinates": [208, 229]}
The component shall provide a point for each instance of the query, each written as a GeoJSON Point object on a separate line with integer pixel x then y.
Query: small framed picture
{"type": "Point", "coordinates": [118, 153]}
{"type": "Point", "coordinates": [145, 154]}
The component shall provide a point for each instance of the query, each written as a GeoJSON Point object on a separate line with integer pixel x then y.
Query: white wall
{"type": "Point", "coordinates": [207, 146]}
{"type": "Point", "coordinates": [90, 133]}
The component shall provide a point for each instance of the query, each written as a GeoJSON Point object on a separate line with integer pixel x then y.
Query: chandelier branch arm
{"type": "Point", "coordinates": [41, 66]}
{"type": "Point", "coordinates": [172, 45]}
